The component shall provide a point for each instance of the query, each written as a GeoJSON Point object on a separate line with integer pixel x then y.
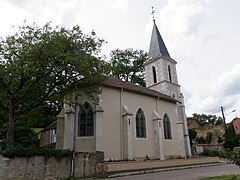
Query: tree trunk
{"type": "Point", "coordinates": [10, 128]}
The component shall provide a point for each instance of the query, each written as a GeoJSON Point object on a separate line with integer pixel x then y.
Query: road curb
{"type": "Point", "coordinates": [145, 171]}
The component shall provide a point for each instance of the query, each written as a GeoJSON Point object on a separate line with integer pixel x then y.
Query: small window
{"type": "Point", "coordinates": [53, 136]}
{"type": "Point", "coordinates": [86, 120]}
{"type": "Point", "coordinates": [154, 74]}
{"type": "Point", "coordinates": [169, 73]}
{"type": "Point", "coordinates": [167, 127]}
{"type": "Point", "coordinates": [140, 124]}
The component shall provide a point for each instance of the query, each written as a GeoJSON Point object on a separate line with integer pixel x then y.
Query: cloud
{"type": "Point", "coordinates": [187, 93]}
{"type": "Point", "coordinates": [181, 18]}
{"type": "Point", "coordinates": [224, 92]}
{"type": "Point", "coordinates": [179, 22]}
{"type": "Point", "coordinates": [121, 4]}
{"type": "Point", "coordinates": [18, 3]}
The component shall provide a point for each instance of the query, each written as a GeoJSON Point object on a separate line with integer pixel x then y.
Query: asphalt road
{"type": "Point", "coordinates": [186, 174]}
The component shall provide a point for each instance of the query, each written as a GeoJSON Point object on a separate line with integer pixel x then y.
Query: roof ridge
{"type": "Point", "coordinates": [118, 83]}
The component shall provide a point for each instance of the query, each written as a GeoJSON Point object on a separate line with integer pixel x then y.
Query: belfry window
{"type": "Point", "coordinates": [140, 124]}
{"type": "Point", "coordinates": [167, 127]}
{"type": "Point", "coordinates": [169, 73]}
{"type": "Point", "coordinates": [86, 120]}
{"type": "Point", "coordinates": [154, 74]}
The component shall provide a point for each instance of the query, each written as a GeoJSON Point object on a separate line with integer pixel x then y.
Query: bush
{"type": "Point", "coordinates": [200, 140]}
{"type": "Point", "coordinates": [209, 138]}
{"type": "Point", "coordinates": [211, 153]}
{"type": "Point", "coordinates": [235, 157]}
{"type": "Point", "coordinates": [30, 152]}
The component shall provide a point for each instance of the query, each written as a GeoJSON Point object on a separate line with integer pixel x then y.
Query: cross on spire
{"type": "Point", "coordinates": [153, 11]}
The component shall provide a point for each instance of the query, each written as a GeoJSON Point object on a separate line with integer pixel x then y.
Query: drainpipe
{"type": "Point", "coordinates": [74, 140]}
{"type": "Point", "coordinates": [121, 125]}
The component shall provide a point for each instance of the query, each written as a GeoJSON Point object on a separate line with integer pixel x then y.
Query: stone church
{"type": "Point", "coordinates": [130, 121]}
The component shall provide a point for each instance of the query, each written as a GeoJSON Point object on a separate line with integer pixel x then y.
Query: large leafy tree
{"type": "Point", "coordinates": [39, 65]}
{"type": "Point", "coordinates": [128, 65]}
{"type": "Point", "coordinates": [202, 119]}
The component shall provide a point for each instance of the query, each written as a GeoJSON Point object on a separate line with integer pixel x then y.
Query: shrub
{"type": "Point", "coordinates": [209, 138]}
{"type": "Point", "coordinates": [235, 157]}
{"type": "Point", "coordinates": [30, 152]}
{"type": "Point", "coordinates": [211, 153]}
{"type": "Point", "coordinates": [200, 140]}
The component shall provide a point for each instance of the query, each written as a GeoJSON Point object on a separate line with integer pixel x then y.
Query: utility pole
{"type": "Point", "coordinates": [224, 120]}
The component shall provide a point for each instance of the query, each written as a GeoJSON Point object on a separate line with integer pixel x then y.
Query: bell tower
{"type": "Point", "coordinates": [161, 75]}
{"type": "Point", "coordinates": [160, 68]}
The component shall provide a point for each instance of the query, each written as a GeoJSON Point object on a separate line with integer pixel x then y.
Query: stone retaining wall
{"type": "Point", "coordinates": [37, 167]}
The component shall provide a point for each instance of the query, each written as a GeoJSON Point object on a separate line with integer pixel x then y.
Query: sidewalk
{"type": "Point", "coordinates": [115, 169]}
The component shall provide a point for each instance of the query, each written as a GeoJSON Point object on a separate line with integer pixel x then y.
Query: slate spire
{"type": "Point", "coordinates": [157, 46]}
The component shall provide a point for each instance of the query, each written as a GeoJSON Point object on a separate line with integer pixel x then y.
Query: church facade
{"type": "Point", "coordinates": [130, 121]}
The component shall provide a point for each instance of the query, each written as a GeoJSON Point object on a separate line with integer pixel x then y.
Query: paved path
{"type": "Point", "coordinates": [139, 165]}
{"type": "Point", "coordinates": [186, 174]}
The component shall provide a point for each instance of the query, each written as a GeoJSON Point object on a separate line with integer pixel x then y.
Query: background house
{"type": "Point", "coordinates": [236, 125]}
{"type": "Point", "coordinates": [48, 134]}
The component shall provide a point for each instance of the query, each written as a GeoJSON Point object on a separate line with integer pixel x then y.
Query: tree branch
{"type": "Point", "coordinates": [30, 89]}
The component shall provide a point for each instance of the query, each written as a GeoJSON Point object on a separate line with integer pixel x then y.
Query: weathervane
{"type": "Point", "coordinates": [153, 11]}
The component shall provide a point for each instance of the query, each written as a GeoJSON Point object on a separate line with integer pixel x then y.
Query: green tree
{"type": "Point", "coordinates": [192, 135]}
{"type": "Point", "coordinates": [200, 140]}
{"type": "Point", "coordinates": [209, 138]}
{"type": "Point", "coordinates": [202, 119]}
{"type": "Point", "coordinates": [231, 139]}
{"type": "Point", "coordinates": [40, 117]}
{"type": "Point", "coordinates": [24, 134]}
{"type": "Point", "coordinates": [128, 65]}
{"type": "Point", "coordinates": [39, 65]}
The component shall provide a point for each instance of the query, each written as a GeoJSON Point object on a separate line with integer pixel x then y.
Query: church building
{"type": "Point", "coordinates": [131, 121]}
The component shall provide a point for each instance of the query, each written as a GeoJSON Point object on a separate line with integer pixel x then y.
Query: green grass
{"type": "Point", "coordinates": [225, 177]}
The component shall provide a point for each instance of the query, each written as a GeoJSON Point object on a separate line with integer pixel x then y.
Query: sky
{"type": "Point", "coordinates": [203, 36]}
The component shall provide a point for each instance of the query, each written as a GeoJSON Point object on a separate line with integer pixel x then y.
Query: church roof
{"type": "Point", "coordinates": [157, 45]}
{"type": "Point", "coordinates": [117, 83]}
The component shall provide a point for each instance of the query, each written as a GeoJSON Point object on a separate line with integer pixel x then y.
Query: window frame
{"type": "Point", "coordinates": [154, 74]}
{"type": "Point", "coordinates": [169, 73]}
{"type": "Point", "coordinates": [140, 120]}
{"type": "Point", "coordinates": [86, 125]}
{"type": "Point", "coordinates": [167, 127]}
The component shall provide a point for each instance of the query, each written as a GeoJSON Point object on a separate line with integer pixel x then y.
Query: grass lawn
{"type": "Point", "coordinates": [225, 177]}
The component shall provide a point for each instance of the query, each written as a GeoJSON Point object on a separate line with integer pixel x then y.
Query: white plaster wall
{"type": "Point", "coordinates": [112, 132]}
{"type": "Point", "coordinates": [111, 127]}
{"type": "Point", "coordinates": [171, 147]}
{"type": "Point", "coordinates": [112, 140]}
{"type": "Point", "coordinates": [141, 146]}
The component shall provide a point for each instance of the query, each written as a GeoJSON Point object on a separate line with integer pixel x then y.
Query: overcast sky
{"type": "Point", "coordinates": [203, 36]}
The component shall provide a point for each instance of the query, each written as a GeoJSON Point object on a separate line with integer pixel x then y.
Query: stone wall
{"type": "Point", "coordinates": [19, 168]}
{"type": "Point", "coordinates": [199, 148]}
{"type": "Point", "coordinates": [217, 132]}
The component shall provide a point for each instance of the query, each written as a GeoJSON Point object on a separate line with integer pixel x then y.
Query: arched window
{"type": "Point", "coordinates": [169, 73]}
{"type": "Point", "coordinates": [140, 124]}
{"type": "Point", "coordinates": [86, 120]}
{"type": "Point", "coordinates": [167, 127]}
{"type": "Point", "coordinates": [154, 74]}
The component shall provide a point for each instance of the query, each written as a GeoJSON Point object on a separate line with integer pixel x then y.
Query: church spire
{"type": "Point", "coordinates": [157, 46]}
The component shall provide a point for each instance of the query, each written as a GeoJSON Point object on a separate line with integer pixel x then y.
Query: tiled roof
{"type": "Point", "coordinates": [117, 83]}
